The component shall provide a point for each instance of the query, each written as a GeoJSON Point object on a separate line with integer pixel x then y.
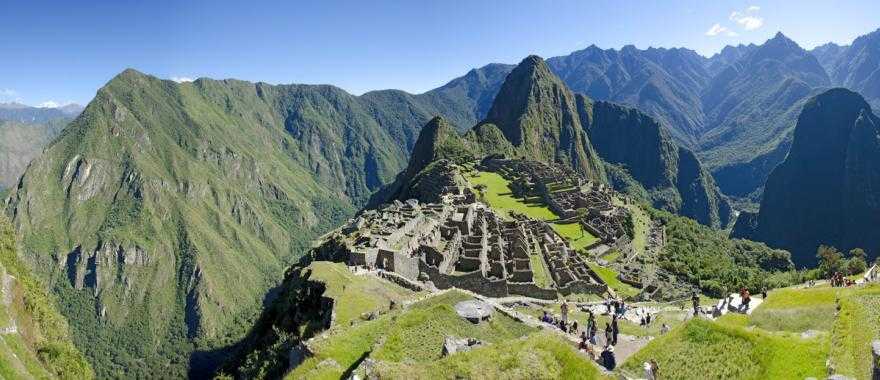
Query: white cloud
{"type": "Point", "coordinates": [54, 104]}
{"type": "Point", "coordinates": [753, 8]}
{"type": "Point", "coordinates": [9, 95]}
{"type": "Point", "coordinates": [747, 22]}
{"type": "Point", "coordinates": [731, 33]}
{"type": "Point", "coordinates": [716, 30]}
{"type": "Point", "coordinates": [182, 79]}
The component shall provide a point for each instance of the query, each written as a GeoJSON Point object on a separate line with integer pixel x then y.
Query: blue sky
{"type": "Point", "coordinates": [62, 51]}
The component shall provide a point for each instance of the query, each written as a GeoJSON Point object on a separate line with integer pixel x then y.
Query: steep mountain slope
{"type": "Point", "coordinates": [827, 191]}
{"type": "Point", "coordinates": [536, 117]}
{"type": "Point", "coordinates": [35, 341]}
{"type": "Point", "coordinates": [751, 107]}
{"type": "Point", "coordinates": [165, 211]}
{"type": "Point", "coordinates": [671, 175]}
{"type": "Point", "coordinates": [24, 131]}
{"type": "Point", "coordinates": [537, 113]}
{"type": "Point", "coordinates": [857, 66]}
{"type": "Point", "coordinates": [463, 101]}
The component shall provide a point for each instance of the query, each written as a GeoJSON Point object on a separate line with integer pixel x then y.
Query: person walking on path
{"type": "Point", "coordinates": [696, 301]}
{"type": "Point", "coordinates": [608, 333]}
{"type": "Point", "coordinates": [614, 330]}
{"type": "Point", "coordinates": [564, 310]}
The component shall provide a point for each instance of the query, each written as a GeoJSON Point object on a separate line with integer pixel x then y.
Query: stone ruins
{"type": "Point", "coordinates": [459, 242]}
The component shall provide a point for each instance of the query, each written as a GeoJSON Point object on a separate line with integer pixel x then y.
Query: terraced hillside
{"type": "Point", "coordinates": [796, 333]}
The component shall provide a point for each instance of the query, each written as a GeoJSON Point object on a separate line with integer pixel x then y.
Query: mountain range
{"type": "Point", "coordinates": [161, 215]}
{"type": "Point", "coordinates": [136, 211]}
{"type": "Point", "coordinates": [24, 131]}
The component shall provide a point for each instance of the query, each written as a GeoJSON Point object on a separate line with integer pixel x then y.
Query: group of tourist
{"type": "Point", "coordinates": [838, 280]}
{"type": "Point", "coordinates": [589, 341]}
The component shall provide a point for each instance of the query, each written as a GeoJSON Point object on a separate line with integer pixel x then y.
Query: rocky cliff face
{"type": "Point", "coordinates": [537, 113]}
{"type": "Point", "coordinates": [827, 191]}
{"type": "Point", "coordinates": [671, 175]}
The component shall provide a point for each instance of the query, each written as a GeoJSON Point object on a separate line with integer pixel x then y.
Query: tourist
{"type": "Point", "coordinates": [664, 329]}
{"type": "Point", "coordinates": [614, 330]}
{"type": "Point", "coordinates": [545, 318]}
{"type": "Point", "coordinates": [642, 322]}
{"type": "Point", "coordinates": [564, 310]}
{"type": "Point", "coordinates": [649, 371]}
{"type": "Point", "coordinates": [648, 319]}
{"type": "Point", "coordinates": [583, 345]}
{"type": "Point", "coordinates": [608, 360]}
{"type": "Point", "coordinates": [695, 299]}
{"type": "Point", "coordinates": [592, 333]}
{"type": "Point", "coordinates": [746, 299]}
{"type": "Point", "coordinates": [608, 333]}
{"type": "Point", "coordinates": [574, 327]}
{"type": "Point", "coordinates": [763, 293]}
{"type": "Point", "coordinates": [591, 322]}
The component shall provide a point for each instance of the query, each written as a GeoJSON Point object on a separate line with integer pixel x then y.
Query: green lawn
{"type": "Point", "coordinates": [541, 274]}
{"type": "Point", "coordinates": [539, 356]}
{"type": "Point", "coordinates": [797, 310]}
{"type": "Point", "coordinates": [856, 327]}
{"type": "Point", "coordinates": [575, 233]}
{"type": "Point", "coordinates": [354, 295]}
{"type": "Point", "coordinates": [609, 276]}
{"type": "Point", "coordinates": [498, 195]}
{"type": "Point", "coordinates": [411, 338]}
{"type": "Point", "coordinates": [701, 349]}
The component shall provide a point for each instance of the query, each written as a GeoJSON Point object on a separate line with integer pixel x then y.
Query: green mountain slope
{"type": "Point", "coordinates": [826, 191]}
{"type": "Point", "coordinates": [537, 113]}
{"type": "Point", "coordinates": [35, 341]}
{"type": "Point", "coordinates": [163, 214]}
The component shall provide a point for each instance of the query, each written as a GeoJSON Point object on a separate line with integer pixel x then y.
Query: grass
{"type": "Point", "coordinates": [797, 310]}
{"type": "Point", "coordinates": [407, 336]}
{"type": "Point", "coordinates": [538, 356]}
{"type": "Point", "coordinates": [856, 327]}
{"type": "Point", "coordinates": [641, 222]}
{"type": "Point", "coordinates": [540, 272]}
{"type": "Point", "coordinates": [575, 233]}
{"type": "Point", "coordinates": [355, 295]}
{"type": "Point", "coordinates": [499, 196]}
{"type": "Point", "coordinates": [701, 349]}
{"type": "Point", "coordinates": [609, 276]}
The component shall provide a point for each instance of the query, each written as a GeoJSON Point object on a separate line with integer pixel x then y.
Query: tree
{"type": "Point", "coordinates": [481, 189]}
{"type": "Point", "coordinates": [857, 262]}
{"type": "Point", "coordinates": [581, 213]}
{"type": "Point", "coordinates": [830, 260]}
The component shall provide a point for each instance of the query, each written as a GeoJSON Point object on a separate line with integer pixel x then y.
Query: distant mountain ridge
{"type": "Point", "coordinates": [24, 131]}
{"type": "Point", "coordinates": [736, 110]}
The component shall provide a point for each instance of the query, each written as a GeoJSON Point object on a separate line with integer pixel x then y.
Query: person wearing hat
{"type": "Point", "coordinates": [608, 360]}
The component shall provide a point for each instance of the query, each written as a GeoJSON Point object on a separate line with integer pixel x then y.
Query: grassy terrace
{"type": "Point", "coordinates": [609, 276]}
{"type": "Point", "coordinates": [499, 196]}
{"type": "Point", "coordinates": [354, 295]}
{"type": "Point", "coordinates": [408, 343]}
{"type": "Point", "coordinates": [768, 343]}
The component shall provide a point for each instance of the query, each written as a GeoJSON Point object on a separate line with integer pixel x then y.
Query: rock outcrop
{"type": "Point", "coordinates": [827, 191]}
